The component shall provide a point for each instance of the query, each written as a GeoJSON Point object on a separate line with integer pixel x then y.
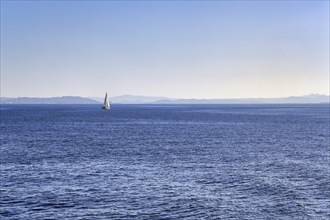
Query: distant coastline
{"type": "Point", "coordinates": [132, 99]}
{"type": "Point", "coordinates": [52, 100]}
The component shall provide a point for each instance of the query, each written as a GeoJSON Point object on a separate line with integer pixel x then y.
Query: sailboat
{"type": "Point", "coordinates": [106, 105]}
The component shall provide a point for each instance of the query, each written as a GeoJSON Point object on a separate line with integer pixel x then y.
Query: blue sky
{"type": "Point", "coordinates": [182, 49]}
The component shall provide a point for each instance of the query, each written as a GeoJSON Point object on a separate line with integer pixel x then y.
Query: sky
{"type": "Point", "coordinates": [176, 49]}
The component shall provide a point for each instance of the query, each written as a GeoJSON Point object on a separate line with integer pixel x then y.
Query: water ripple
{"type": "Point", "coordinates": [140, 162]}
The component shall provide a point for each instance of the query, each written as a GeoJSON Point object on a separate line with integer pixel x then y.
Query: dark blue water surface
{"type": "Point", "coordinates": [165, 162]}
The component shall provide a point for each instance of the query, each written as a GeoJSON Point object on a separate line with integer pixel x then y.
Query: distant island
{"type": "Point", "coordinates": [133, 99]}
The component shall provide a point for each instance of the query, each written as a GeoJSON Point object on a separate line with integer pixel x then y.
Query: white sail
{"type": "Point", "coordinates": [106, 104]}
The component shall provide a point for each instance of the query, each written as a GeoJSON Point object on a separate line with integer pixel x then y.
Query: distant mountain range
{"type": "Point", "coordinates": [137, 99]}
{"type": "Point", "coordinates": [132, 99]}
{"type": "Point", "coordinates": [53, 100]}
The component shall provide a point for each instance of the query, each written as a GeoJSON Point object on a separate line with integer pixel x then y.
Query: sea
{"type": "Point", "coordinates": [165, 162]}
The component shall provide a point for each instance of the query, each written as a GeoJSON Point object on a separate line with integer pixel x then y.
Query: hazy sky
{"type": "Point", "coordinates": [182, 49]}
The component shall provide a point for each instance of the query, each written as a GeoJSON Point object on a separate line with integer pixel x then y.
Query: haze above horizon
{"type": "Point", "coordinates": [186, 49]}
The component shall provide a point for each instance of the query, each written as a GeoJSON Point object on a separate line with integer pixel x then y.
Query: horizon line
{"type": "Point", "coordinates": [310, 94]}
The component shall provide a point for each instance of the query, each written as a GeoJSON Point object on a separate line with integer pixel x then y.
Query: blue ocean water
{"type": "Point", "coordinates": [165, 162]}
